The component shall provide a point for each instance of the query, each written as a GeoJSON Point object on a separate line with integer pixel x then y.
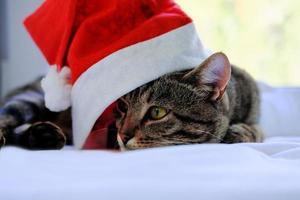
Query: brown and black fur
{"type": "Point", "coordinates": [26, 122]}
{"type": "Point", "coordinates": [205, 105]}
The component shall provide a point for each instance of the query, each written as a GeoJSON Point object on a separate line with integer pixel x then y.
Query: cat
{"type": "Point", "coordinates": [215, 102]}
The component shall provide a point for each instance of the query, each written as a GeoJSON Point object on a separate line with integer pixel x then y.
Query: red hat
{"type": "Point", "coordinates": [105, 49]}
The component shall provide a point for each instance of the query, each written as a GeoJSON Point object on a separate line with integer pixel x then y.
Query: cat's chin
{"type": "Point", "coordinates": [131, 144]}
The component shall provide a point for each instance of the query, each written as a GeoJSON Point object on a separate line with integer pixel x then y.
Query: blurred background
{"type": "Point", "coordinates": [20, 60]}
{"type": "Point", "coordinates": [261, 36]}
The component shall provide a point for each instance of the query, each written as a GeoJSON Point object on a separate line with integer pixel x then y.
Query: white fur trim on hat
{"type": "Point", "coordinates": [57, 89]}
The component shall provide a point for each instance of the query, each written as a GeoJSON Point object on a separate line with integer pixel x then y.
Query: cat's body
{"type": "Point", "coordinates": [204, 105]}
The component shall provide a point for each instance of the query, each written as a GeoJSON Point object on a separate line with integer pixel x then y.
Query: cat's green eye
{"type": "Point", "coordinates": [157, 112]}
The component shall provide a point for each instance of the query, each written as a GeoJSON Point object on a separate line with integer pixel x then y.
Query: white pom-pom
{"type": "Point", "coordinates": [57, 89]}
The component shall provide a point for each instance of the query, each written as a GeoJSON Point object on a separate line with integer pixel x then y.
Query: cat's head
{"type": "Point", "coordinates": [185, 107]}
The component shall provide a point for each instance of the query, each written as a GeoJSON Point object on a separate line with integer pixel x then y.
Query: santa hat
{"type": "Point", "coordinates": [101, 50]}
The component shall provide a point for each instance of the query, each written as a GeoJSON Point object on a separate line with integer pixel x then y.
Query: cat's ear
{"type": "Point", "coordinates": [215, 71]}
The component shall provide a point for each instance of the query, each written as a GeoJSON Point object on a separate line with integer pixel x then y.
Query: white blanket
{"type": "Point", "coordinates": [240, 171]}
{"type": "Point", "coordinates": [268, 171]}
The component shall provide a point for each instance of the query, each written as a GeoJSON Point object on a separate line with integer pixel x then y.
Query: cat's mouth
{"type": "Point", "coordinates": [130, 145]}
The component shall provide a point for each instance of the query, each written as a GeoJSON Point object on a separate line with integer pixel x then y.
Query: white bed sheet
{"type": "Point", "coordinates": [241, 171]}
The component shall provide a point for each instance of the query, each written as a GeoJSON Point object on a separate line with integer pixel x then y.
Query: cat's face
{"type": "Point", "coordinates": [179, 108]}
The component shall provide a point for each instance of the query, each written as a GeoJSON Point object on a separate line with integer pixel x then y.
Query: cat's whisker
{"type": "Point", "coordinates": [208, 133]}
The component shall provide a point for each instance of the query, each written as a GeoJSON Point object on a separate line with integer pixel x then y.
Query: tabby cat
{"type": "Point", "coordinates": [213, 103]}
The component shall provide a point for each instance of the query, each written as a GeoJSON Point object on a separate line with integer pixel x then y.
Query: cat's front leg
{"type": "Point", "coordinates": [2, 138]}
{"type": "Point", "coordinates": [238, 133]}
{"type": "Point", "coordinates": [44, 136]}
{"type": "Point", "coordinates": [39, 136]}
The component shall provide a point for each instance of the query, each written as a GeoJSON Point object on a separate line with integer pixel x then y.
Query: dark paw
{"type": "Point", "coordinates": [239, 133]}
{"type": "Point", "coordinates": [45, 136]}
{"type": "Point", "coordinates": [2, 139]}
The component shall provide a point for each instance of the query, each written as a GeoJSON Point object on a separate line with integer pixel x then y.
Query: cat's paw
{"type": "Point", "coordinates": [45, 136]}
{"type": "Point", "coordinates": [2, 138]}
{"type": "Point", "coordinates": [238, 133]}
